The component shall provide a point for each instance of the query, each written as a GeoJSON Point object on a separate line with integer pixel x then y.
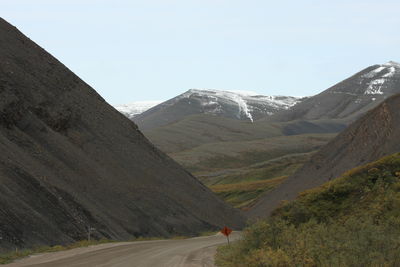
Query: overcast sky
{"type": "Point", "coordinates": [156, 49]}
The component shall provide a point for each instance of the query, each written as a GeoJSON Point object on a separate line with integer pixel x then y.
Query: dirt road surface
{"type": "Point", "coordinates": [191, 252]}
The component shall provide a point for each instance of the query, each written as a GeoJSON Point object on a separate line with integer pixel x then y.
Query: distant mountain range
{"type": "Point", "coordinates": [135, 108]}
{"type": "Point", "coordinates": [344, 101]}
{"type": "Point", "coordinates": [218, 116]}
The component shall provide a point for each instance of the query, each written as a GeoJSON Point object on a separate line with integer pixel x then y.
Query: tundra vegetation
{"type": "Point", "coordinates": [246, 170]}
{"type": "Point", "coordinates": [353, 220]}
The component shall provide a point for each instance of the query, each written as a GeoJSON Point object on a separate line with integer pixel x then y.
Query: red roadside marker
{"type": "Point", "coordinates": [226, 231]}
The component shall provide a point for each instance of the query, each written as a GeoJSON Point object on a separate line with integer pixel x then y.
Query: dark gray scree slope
{"type": "Point", "coordinates": [69, 160]}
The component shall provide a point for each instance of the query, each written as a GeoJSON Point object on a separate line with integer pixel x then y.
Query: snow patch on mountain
{"type": "Point", "coordinates": [372, 73]}
{"type": "Point", "coordinates": [243, 108]}
{"type": "Point", "coordinates": [374, 87]}
{"type": "Point", "coordinates": [380, 76]}
{"type": "Point", "coordinates": [391, 72]}
{"type": "Point", "coordinates": [243, 92]}
{"type": "Point", "coordinates": [234, 96]}
{"type": "Point", "coordinates": [135, 108]}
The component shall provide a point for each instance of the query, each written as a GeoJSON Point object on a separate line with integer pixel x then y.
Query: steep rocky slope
{"type": "Point", "coordinates": [371, 137]}
{"type": "Point", "coordinates": [70, 160]}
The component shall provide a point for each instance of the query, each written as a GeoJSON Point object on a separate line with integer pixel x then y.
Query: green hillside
{"type": "Point", "coordinates": [244, 163]}
{"type": "Point", "coordinates": [276, 167]}
{"type": "Point", "coordinates": [244, 194]}
{"type": "Point", "coordinates": [244, 186]}
{"type": "Point", "coordinates": [353, 220]}
{"type": "Point", "coordinates": [230, 155]}
{"type": "Point", "coordinates": [196, 130]}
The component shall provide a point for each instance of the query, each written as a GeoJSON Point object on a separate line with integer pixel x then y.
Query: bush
{"type": "Point", "coordinates": [351, 221]}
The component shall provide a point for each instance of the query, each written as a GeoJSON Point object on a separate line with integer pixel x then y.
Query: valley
{"type": "Point", "coordinates": [296, 180]}
{"type": "Point", "coordinates": [232, 140]}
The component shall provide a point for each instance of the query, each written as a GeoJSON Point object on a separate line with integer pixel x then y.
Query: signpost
{"type": "Point", "coordinates": [226, 231]}
{"type": "Point", "coordinates": [90, 229]}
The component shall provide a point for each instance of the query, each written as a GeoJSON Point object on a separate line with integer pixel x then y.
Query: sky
{"type": "Point", "coordinates": [156, 49]}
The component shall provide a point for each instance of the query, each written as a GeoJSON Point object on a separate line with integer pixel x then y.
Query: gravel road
{"type": "Point", "coordinates": [191, 252]}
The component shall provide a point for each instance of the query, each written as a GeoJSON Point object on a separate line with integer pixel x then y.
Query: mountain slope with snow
{"type": "Point", "coordinates": [350, 98]}
{"type": "Point", "coordinates": [246, 106]}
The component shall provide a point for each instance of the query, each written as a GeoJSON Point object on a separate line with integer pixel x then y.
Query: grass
{"type": "Point", "coordinates": [217, 156]}
{"type": "Point", "coordinates": [247, 162]}
{"type": "Point", "coordinates": [228, 151]}
{"type": "Point", "coordinates": [243, 195]}
{"type": "Point", "coordinates": [243, 187]}
{"type": "Point", "coordinates": [282, 166]}
{"type": "Point", "coordinates": [353, 220]}
{"type": "Point", "coordinates": [196, 130]}
{"type": "Point", "coordinates": [219, 150]}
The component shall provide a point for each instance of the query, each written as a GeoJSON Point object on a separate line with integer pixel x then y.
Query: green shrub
{"type": "Point", "coordinates": [351, 221]}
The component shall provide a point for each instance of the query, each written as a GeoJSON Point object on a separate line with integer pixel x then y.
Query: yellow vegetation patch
{"type": "Point", "coordinates": [244, 194]}
{"type": "Point", "coordinates": [247, 186]}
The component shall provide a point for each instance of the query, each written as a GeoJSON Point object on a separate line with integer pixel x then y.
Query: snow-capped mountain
{"type": "Point", "coordinates": [247, 105]}
{"type": "Point", "coordinates": [350, 98]}
{"type": "Point", "coordinates": [132, 109]}
{"type": "Point", "coordinates": [240, 105]}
